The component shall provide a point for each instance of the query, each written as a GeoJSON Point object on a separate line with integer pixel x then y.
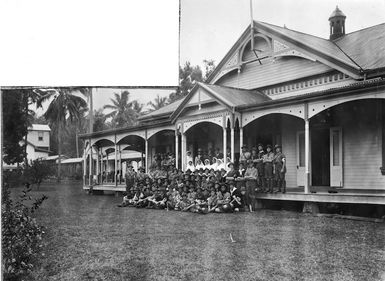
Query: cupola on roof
{"type": "Point", "coordinates": [337, 24]}
{"type": "Point", "coordinates": [337, 13]}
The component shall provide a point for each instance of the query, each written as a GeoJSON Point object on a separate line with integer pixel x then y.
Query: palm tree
{"type": "Point", "coordinates": [63, 106]}
{"type": "Point", "coordinates": [122, 112]}
{"type": "Point", "coordinates": [158, 103]}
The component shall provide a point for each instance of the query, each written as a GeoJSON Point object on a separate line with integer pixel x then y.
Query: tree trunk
{"type": "Point", "coordinates": [25, 98]}
{"type": "Point", "coordinates": [77, 143]}
{"type": "Point", "coordinates": [59, 151]}
{"type": "Point", "coordinates": [91, 114]}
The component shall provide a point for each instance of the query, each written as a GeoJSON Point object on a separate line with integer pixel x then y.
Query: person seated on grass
{"type": "Point", "coordinates": [171, 198]}
{"type": "Point", "coordinates": [183, 203]}
{"type": "Point", "coordinates": [246, 201]}
{"type": "Point", "coordinates": [205, 193]}
{"type": "Point", "coordinates": [151, 196]}
{"type": "Point", "coordinates": [212, 201]}
{"type": "Point", "coordinates": [157, 200]}
{"type": "Point", "coordinates": [236, 200]}
{"type": "Point", "coordinates": [127, 197]}
{"type": "Point", "coordinates": [191, 196]}
{"type": "Point", "coordinates": [143, 202]}
{"type": "Point", "coordinates": [223, 200]}
{"type": "Point", "coordinates": [137, 196]}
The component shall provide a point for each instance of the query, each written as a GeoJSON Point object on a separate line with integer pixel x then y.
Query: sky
{"type": "Point", "coordinates": [210, 28]}
{"type": "Point", "coordinates": [102, 96]}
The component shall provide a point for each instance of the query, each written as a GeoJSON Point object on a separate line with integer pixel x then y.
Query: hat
{"type": "Point", "coordinates": [188, 151]}
{"type": "Point", "coordinates": [277, 146]}
{"type": "Point", "coordinates": [244, 146]}
{"type": "Point", "coordinates": [230, 163]}
{"type": "Point", "coordinates": [269, 145]}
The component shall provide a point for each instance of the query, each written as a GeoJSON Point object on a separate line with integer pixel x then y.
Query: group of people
{"type": "Point", "coordinates": [205, 189]}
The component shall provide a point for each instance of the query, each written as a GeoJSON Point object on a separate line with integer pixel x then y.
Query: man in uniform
{"type": "Point", "coordinates": [279, 168]}
{"type": "Point", "coordinates": [251, 176]}
{"type": "Point", "coordinates": [130, 177]}
{"type": "Point", "coordinates": [260, 167]}
{"type": "Point", "coordinates": [244, 156]}
{"type": "Point", "coordinates": [268, 163]}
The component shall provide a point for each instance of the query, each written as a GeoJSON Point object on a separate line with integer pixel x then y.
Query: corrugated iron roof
{"type": "Point", "coordinates": [167, 109]}
{"type": "Point", "coordinates": [72, 160]}
{"type": "Point", "coordinates": [39, 127]}
{"type": "Point", "coordinates": [316, 43]}
{"type": "Point", "coordinates": [234, 97]}
{"type": "Point", "coordinates": [366, 46]}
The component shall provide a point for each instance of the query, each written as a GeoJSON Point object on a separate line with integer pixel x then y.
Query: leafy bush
{"type": "Point", "coordinates": [38, 171]}
{"type": "Point", "coordinates": [21, 234]}
{"type": "Point", "coordinates": [35, 173]}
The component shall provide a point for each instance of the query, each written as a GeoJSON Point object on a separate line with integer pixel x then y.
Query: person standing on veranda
{"type": "Point", "coordinates": [130, 177]}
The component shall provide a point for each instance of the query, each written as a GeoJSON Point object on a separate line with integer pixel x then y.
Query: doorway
{"type": "Point", "coordinates": [320, 156]}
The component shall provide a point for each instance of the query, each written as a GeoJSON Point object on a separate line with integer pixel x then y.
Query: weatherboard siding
{"type": "Point", "coordinates": [362, 158]}
{"type": "Point", "coordinates": [289, 148]}
{"type": "Point", "coordinates": [254, 75]}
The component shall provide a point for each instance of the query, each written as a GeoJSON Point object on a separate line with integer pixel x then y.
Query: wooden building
{"type": "Point", "coordinates": [323, 100]}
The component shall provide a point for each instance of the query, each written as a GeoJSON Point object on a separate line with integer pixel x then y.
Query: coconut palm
{"type": "Point", "coordinates": [63, 105]}
{"type": "Point", "coordinates": [158, 103]}
{"type": "Point", "coordinates": [123, 113]}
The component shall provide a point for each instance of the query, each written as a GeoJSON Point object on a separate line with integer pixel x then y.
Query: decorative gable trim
{"type": "Point", "coordinates": [282, 45]}
{"type": "Point", "coordinates": [197, 87]}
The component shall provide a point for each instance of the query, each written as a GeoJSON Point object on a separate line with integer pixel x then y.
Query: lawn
{"type": "Point", "coordinates": [89, 238]}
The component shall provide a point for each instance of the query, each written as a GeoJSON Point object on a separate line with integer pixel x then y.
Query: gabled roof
{"type": "Point", "coordinates": [229, 97]}
{"type": "Point", "coordinates": [316, 45]}
{"type": "Point", "coordinates": [72, 160]}
{"type": "Point", "coordinates": [366, 46]}
{"type": "Point", "coordinates": [165, 110]}
{"type": "Point", "coordinates": [353, 54]}
{"type": "Point", "coordinates": [55, 157]}
{"type": "Point", "coordinates": [39, 127]}
{"type": "Point", "coordinates": [234, 97]}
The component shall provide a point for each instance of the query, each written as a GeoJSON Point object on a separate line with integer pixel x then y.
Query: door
{"type": "Point", "coordinates": [336, 161]}
{"type": "Point", "coordinates": [301, 158]}
{"type": "Point", "coordinates": [320, 156]}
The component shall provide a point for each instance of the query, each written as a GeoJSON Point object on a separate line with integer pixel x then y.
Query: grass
{"type": "Point", "coordinates": [89, 238]}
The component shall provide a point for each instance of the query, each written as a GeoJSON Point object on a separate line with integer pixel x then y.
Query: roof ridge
{"type": "Point", "coordinates": [228, 87]}
{"type": "Point", "coordinates": [359, 30]}
{"type": "Point", "coordinates": [348, 56]}
{"type": "Point", "coordinates": [296, 31]}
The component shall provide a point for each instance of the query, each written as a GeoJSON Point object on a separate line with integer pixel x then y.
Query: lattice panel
{"type": "Point", "coordinates": [188, 124]}
{"type": "Point", "coordinates": [153, 131]}
{"type": "Point", "coordinates": [294, 110]}
{"type": "Point", "coordinates": [141, 133]}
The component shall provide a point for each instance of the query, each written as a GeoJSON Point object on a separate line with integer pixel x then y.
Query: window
{"type": "Point", "coordinates": [40, 136]}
